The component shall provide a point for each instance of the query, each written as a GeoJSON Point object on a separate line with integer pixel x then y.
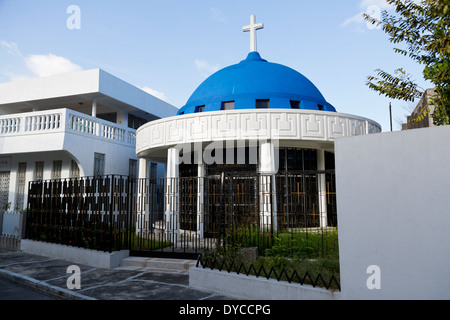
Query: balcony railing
{"type": "Point", "coordinates": [64, 120]}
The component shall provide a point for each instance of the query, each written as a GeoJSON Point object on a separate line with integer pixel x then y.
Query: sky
{"type": "Point", "coordinates": [168, 48]}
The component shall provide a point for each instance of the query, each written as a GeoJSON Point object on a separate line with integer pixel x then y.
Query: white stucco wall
{"type": "Point", "coordinates": [393, 192]}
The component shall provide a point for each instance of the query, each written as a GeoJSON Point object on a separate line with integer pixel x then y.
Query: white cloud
{"type": "Point", "coordinates": [157, 94]}
{"type": "Point", "coordinates": [217, 15]}
{"type": "Point", "coordinates": [205, 67]}
{"type": "Point", "coordinates": [40, 65]}
{"type": "Point", "coordinates": [373, 8]}
{"type": "Point", "coordinates": [358, 18]}
{"type": "Point", "coordinates": [382, 4]}
{"type": "Point", "coordinates": [44, 65]}
{"type": "Point", "coordinates": [11, 48]}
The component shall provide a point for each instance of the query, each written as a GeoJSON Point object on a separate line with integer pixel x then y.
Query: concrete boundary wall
{"type": "Point", "coordinates": [252, 288]}
{"type": "Point", "coordinates": [93, 258]}
{"type": "Point", "coordinates": [393, 192]}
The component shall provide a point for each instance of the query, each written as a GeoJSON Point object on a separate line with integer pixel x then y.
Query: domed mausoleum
{"type": "Point", "coordinates": [256, 83]}
{"type": "Point", "coordinates": [253, 145]}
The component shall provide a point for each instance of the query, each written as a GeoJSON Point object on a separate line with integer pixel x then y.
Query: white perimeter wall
{"type": "Point", "coordinates": [393, 196]}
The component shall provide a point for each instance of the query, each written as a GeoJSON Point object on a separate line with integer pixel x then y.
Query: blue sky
{"type": "Point", "coordinates": [169, 47]}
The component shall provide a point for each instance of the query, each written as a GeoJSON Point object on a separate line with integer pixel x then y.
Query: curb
{"type": "Point", "coordinates": [43, 287]}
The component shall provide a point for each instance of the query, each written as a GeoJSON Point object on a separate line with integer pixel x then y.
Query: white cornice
{"type": "Point", "coordinates": [246, 124]}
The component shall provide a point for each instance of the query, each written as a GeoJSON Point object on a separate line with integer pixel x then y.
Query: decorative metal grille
{"type": "Point", "coordinates": [99, 164]}
{"type": "Point", "coordinates": [132, 168]}
{"type": "Point", "coordinates": [74, 169]}
{"type": "Point", "coordinates": [4, 189]}
{"type": "Point", "coordinates": [39, 170]}
{"type": "Point", "coordinates": [56, 169]}
{"type": "Point", "coordinates": [20, 189]}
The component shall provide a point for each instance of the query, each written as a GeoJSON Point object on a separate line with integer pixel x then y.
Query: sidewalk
{"type": "Point", "coordinates": [136, 279]}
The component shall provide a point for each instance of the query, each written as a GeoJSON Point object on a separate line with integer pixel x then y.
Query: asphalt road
{"type": "Point", "coordinates": [13, 291]}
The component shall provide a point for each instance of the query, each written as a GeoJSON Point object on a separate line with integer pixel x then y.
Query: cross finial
{"type": "Point", "coordinates": [252, 28]}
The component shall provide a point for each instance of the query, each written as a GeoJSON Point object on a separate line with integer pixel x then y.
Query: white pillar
{"type": "Point", "coordinates": [125, 119]}
{"type": "Point", "coordinates": [200, 194]}
{"type": "Point", "coordinates": [94, 108]}
{"type": "Point", "coordinates": [322, 188]}
{"type": "Point", "coordinates": [143, 168]}
{"type": "Point", "coordinates": [143, 211]}
{"type": "Point", "coordinates": [268, 167]}
{"type": "Point", "coordinates": [171, 195]}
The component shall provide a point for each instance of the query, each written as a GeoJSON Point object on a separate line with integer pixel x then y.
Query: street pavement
{"type": "Point", "coordinates": [10, 290]}
{"type": "Point", "coordinates": [53, 277]}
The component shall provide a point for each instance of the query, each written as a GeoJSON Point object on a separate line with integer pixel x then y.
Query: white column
{"type": "Point", "coordinates": [322, 188]}
{"type": "Point", "coordinates": [97, 125]}
{"type": "Point", "coordinates": [94, 108]}
{"type": "Point", "coordinates": [143, 168]}
{"type": "Point", "coordinates": [171, 195]}
{"type": "Point", "coordinates": [200, 194]}
{"type": "Point", "coordinates": [125, 119]}
{"type": "Point", "coordinates": [143, 211]}
{"type": "Point", "coordinates": [268, 167]}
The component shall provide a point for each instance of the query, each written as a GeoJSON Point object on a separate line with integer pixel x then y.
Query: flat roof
{"type": "Point", "coordinates": [77, 90]}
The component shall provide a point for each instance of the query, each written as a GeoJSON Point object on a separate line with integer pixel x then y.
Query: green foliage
{"type": "Point", "coordinates": [303, 245]}
{"type": "Point", "coordinates": [397, 86]}
{"type": "Point", "coordinates": [291, 252]}
{"type": "Point", "coordinates": [6, 206]}
{"type": "Point", "coordinates": [302, 250]}
{"type": "Point", "coordinates": [423, 28]}
{"type": "Point", "coordinates": [146, 242]}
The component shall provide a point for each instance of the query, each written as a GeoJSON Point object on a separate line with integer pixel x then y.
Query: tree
{"type": "Point", "coordinates": [424, 29]}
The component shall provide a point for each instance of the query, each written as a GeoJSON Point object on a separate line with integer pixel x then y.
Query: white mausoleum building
{"type": "Point", "coordinates": [255, 117]}
{"type": "Point", "coordinates": [69, 126]}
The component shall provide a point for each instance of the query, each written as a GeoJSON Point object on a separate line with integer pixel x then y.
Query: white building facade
{"type": "Point", "coordinates": [69, 126]}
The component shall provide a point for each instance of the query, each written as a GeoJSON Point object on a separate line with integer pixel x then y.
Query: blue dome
{"type": "Point", "coordinates": [254, 79]}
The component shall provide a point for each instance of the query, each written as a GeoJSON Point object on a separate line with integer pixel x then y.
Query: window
{"type": "Point", "coordinates": [4, 189]}
{"type": "Point", "coordinates": [21, 182]}
{"type": "Point", "coordinates": [153, 171]}
{"type": "Point", "coordinates": [133, 169]}
{"type": "Point", "coordinates": [56, 169]}
{"type": "Point", "coordinates": [295, 104]}
{"type": "Point", "coordinates": [294, 159]}
{"type": "Point", "coordinates": [200, 109]}
{"type": "Point", "coordinates": [74, 169]}
{"type": "Point", "coordinates": [39, 170]}
{"type": "Point", "coordinates": [111, 117]}
{"type": "Point", "coordinates": [99, 164]}
{"type": "Point", "coordinates": [228, 105]}
{"type": "Point", "coordinates": [135, 122]}
{"type": "Point", "coordinates": [320, 106]}
{"type": "Point", "coordinates": [263, 103]}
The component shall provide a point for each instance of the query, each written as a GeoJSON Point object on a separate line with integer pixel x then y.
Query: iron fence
{"type": "Point", "coordinates": [89, 212]}
{"type": "Point", "coordinates": [188, 215]}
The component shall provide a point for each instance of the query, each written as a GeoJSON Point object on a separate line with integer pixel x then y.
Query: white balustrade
{"type": "Point", "coordinates": [65, 120]}
{"type": "Point", "coordinates": [10, 125]}
{"type": "Point", "coordinates": [42, 122]}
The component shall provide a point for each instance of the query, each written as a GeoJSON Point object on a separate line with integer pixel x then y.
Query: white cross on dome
{"type": "Point", "coordinates": [252, 28]}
